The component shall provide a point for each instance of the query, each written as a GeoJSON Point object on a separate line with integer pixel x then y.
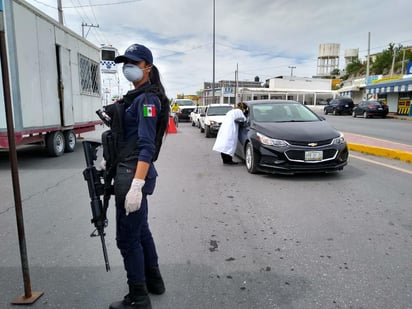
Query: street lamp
{"type": "Point", "coordinates": [291, 70]}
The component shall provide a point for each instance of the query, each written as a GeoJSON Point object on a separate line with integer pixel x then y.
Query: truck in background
{"type": "Point", "coordinates": [54, 78]}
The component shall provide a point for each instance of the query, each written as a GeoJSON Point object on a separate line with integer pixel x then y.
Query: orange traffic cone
{"type": "Point", "coordinates": [171, 128]}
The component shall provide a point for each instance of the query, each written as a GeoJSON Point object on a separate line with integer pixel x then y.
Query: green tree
{"type": "Point", "coordinates": [383, 61]}
{"type": "Point", "coordinates": [353, 68]}
{"type": "Point", "coordinates": [403, 56]}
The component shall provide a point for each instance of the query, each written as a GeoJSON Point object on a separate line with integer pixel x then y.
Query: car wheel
{"type": "Point", "coordinates": [208, 134]}
{"type": "Point", "coordinates": [193, 123]}
{"type": "Point", "coordinates": [198, 124]}
{"type": "Point", "coordinates": [325, 111]}
{"type": "Point", "coordinates": [251, 159]}
{"type": "Point", "coordinates": [335, 112]}
{"type": "Point", "coordinates": [202, 130]}
{"type": "Point", "coordinates": [353, 114]}
{"type": "Point", "coordinates": [55, 143]}
{"type": "Point", "coordinates": [365, 114]}
{"type": "Point", "coordinates": [69, 141]}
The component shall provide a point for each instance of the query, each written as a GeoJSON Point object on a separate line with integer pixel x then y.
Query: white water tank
{"type": "Point", "coordinates": [328, 58]}
{"type": "Point", "coordinates": [351, 55]}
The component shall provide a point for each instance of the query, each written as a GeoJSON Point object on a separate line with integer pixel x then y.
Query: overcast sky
{"type": "Point", "coordinates": [263, 37]}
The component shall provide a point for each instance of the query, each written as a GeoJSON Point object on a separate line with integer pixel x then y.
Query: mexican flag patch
{"type": "Point", "coordinates": [149, 111]}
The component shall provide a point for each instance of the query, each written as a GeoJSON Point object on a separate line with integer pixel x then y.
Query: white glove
{"type": "Point", "coordinates": [134, 196]}
{"type": "Point", "coordinates": [102, 165]}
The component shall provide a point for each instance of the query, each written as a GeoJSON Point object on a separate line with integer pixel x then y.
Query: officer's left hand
{"type": "Point", "coordinates": [134, 196]}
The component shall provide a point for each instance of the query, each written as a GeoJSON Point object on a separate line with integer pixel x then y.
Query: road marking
{"type": "Point", "coordinates": [382, 164]}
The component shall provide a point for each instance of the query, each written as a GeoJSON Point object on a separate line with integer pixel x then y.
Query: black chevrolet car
{"type": "Point", "coordinates": [286, 137]}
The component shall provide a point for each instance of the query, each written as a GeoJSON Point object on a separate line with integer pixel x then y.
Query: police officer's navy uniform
{"type": "Point", "coordinates": [133, 235]}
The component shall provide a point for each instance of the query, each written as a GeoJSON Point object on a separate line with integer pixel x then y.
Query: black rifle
{"type": "Point", "coordinates": [97, 187]}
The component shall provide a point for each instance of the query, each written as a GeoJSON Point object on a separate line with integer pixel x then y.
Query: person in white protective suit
{"type": "Point", "coordinates": [226, 139]}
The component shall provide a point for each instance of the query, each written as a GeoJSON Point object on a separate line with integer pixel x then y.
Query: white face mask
{"type": "Point", "coordinates": [132, 73]}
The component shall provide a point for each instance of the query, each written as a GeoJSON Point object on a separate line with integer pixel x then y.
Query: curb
{"type": "Point", "coordinates": [409, 118]}
{"type": "Point", "coordinates": [382, 152]}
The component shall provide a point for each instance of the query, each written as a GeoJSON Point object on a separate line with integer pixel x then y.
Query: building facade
{"type": "Point", "coordinates": [309, 91]}
{"type": "Point", "coordinates": [226, 91]}
{"type": "Point", "coordinates": [396, 92]}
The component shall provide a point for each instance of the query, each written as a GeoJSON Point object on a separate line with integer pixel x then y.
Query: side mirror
{"type": "Point", "coordinates": [322, 118]}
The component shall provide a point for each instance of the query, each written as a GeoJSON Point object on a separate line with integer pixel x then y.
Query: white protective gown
{"type": "Point", "coordinates": [226, 139]}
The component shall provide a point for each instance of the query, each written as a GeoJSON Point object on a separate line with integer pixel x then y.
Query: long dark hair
{"type": "Point", "coordinates": [163, 116]}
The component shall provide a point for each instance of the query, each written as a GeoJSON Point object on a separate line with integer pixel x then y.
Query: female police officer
{"type": "Point", "coordinates": [146, 111]}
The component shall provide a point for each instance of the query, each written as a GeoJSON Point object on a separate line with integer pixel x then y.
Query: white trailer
{"type": "Point", "coordinates": [54, 79]}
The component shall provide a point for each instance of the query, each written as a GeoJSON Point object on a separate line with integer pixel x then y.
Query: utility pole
{"type": "Point", "coordinates": [213, 82]}
{"type": "Point", "coordinates": [291, 70]}
{"type": "Point", "coordinates": [393, 61]}
{"type": "Point", "coordinates": [403, 61]}
{"type": "Point", "coordinates": [87, 25]}
{"type": "Point", "coordinates": [368, 60]}
{"type": "Point", "coordinates": [60, 10]}
{"type": "Point", "coordinates": [236, 82]}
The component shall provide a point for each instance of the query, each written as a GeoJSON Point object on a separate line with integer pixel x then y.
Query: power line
{"type": "Point", "coordinates": [105, 4]}
{"type": "Point", "coordinates": [87, 5]}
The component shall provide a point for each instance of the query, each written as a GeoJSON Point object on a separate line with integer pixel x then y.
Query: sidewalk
{"type": "Point", "coordinates": [379, 147]}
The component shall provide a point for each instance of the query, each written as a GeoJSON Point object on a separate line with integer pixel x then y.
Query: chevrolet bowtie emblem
{"type": "Point", "coordinates": [312, 144]}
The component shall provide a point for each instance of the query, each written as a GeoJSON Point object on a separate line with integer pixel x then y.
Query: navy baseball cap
{"type": "Point", "coordinates": [136, 52]}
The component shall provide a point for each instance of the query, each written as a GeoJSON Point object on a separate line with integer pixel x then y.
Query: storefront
{"type": "Point", "coordinates": [396, 93]}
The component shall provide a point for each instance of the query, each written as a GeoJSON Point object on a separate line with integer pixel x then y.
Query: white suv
{"type": "Point", "coordinates": [186, 106]}
{"type": "Point", "coordinates": [211, 120]}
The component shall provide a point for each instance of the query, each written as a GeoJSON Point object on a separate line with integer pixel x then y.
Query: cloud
{"type": "Point", "coordinates": [263, 37]}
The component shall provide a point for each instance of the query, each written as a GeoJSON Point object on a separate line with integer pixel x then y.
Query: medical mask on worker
{"type": "Point", "coordinates": [132, 72]}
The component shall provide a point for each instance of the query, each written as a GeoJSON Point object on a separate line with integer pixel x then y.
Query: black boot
{"type": "Point", "coordinates": [136, 299]}
{"type": "Point", "coordinates": [154, 281]}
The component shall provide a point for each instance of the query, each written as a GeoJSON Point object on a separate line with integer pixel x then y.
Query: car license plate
{"type": "Point", "coordinates": [380, 108]}
{"type": "Point", "coordinates": [346, 105]}
{"type": "Point", "coordinates": [313, 155]}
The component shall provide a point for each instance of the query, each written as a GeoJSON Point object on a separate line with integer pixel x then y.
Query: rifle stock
{"type": "Point", "coordinates": [96, 189]}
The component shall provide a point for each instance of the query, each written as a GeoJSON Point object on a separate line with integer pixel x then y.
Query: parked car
{"type": "Point", "coordinates": [339, 106]}
{"type": "Point", "coordinates": [186, 106]}
{"type": "Point", "coordinates": [286, 137]}
{"type": "Point", "coordinates": [212, 118]}
{"type": "Point", "coordinates": [195, 115]}
{"type": "Point", "coordinates": [370, 108]}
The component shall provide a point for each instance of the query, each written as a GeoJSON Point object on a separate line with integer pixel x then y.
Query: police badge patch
{"type": "Point", "coordinates": [149, 111]}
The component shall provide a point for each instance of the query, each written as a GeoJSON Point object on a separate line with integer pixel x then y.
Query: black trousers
{"type": "Point", "coordinates": [133, 235]}
{"type": "Point", "coordinates": [226, 158]}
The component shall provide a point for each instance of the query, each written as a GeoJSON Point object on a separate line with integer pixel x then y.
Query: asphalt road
{"type": "Point", "coordinates": [390, 129]}
{"type": "Point", "coordinates": [225, 238]}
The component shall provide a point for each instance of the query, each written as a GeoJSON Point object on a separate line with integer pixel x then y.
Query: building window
{"type": "Point", "coordinates": [89, 76]}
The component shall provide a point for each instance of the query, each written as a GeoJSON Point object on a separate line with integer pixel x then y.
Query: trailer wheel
{"type": "Point", "coordinates": [55, 143]}
{"type": "Point", "coordinates": [69, 141]}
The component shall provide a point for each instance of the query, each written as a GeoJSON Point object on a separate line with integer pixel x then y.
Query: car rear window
{"type": "Point", "coordinates": [218, 110]}
{"type": "Point", "coordinates": [185, 102]}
